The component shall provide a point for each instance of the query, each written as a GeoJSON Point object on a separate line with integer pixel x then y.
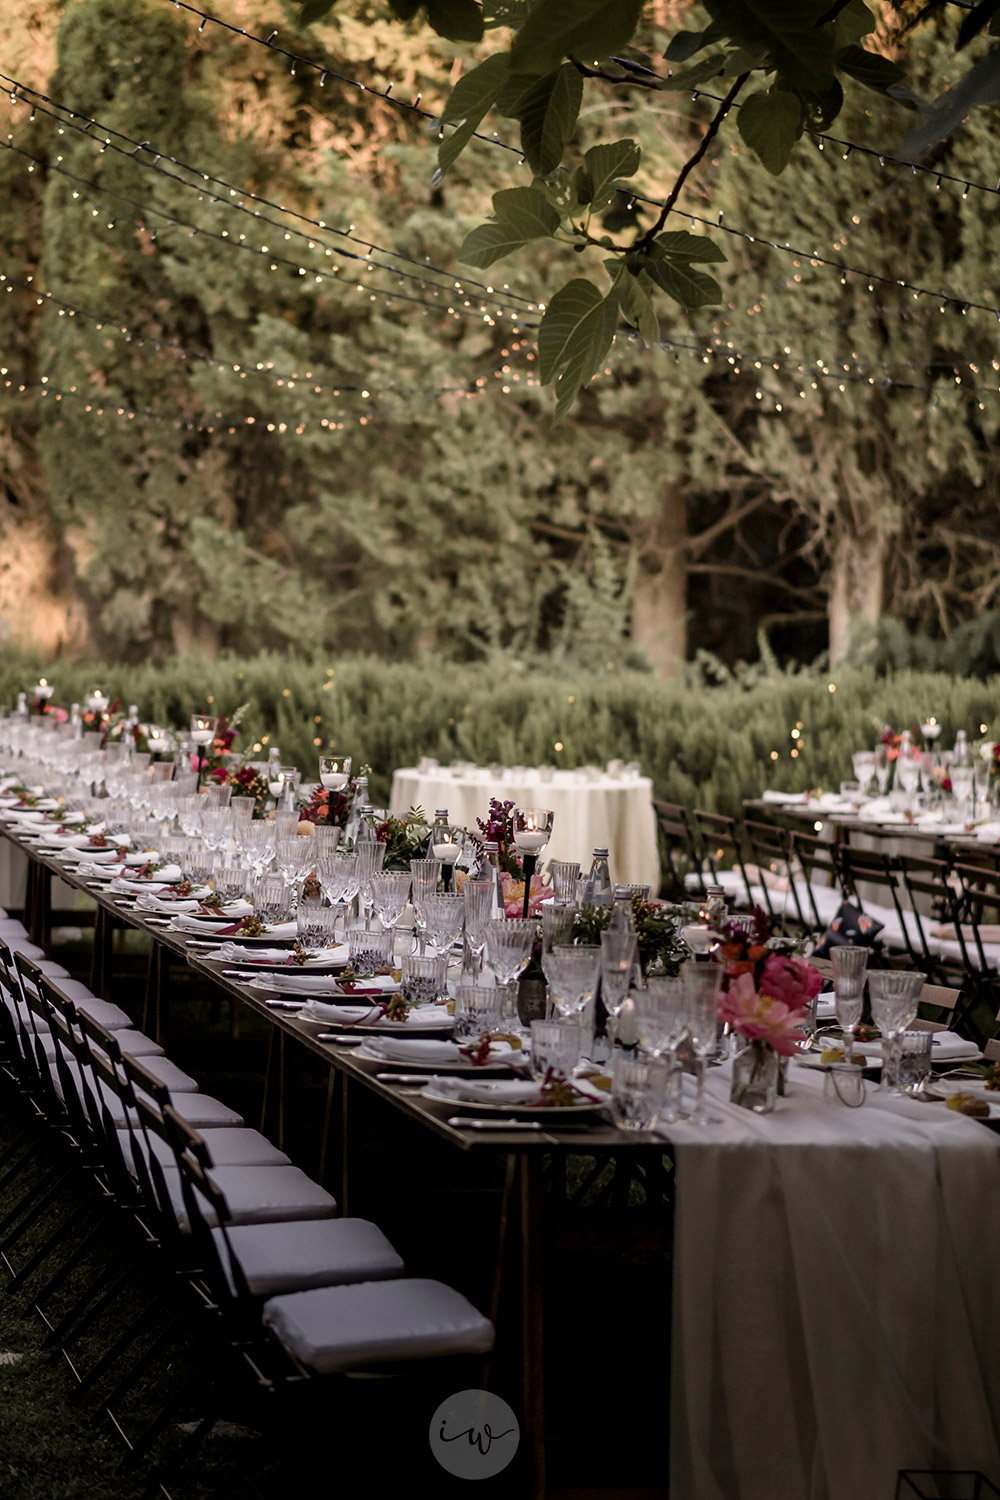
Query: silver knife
{"type": "Point", "coordinates": [462, 1124]}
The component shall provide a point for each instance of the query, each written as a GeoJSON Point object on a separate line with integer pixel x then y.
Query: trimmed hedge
{"type": "Point", "coordinates": [705, 746]}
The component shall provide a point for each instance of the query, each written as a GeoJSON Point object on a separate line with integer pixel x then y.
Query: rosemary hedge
{"type": "Point", "coordinates": [703, 745]}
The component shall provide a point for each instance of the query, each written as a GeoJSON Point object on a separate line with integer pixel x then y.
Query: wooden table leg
{"type": "Point", "coordinates": [268, 1067]}
{"type": "Point", "coordinates": [344, 1145]}
{"type": "Point", "coordinates": [532, 1324]}
{"type": "Point", "coordinates": [153, 1013]}
{"type": "Point", "coordinates": [331, 1094]}
{"type": "Point", "coordinates": [44, 938]}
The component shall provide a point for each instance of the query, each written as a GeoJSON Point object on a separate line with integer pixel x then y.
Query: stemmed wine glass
{"type": "Point", "coordinates": [291, 859]}
{"type": "Point", "coordinates": [863, 762]}
{"type": "Point", "coordinates": [883, 767]}
{"type": "Point", "coordinates": [444, 913]}
{"type": "Point", "coordinates": [338, 876]}
{"type": "Point", "coordinates": [508, 946]}
{"type": "Point", "coordinates": [661, 1021]}
{"type": "Point", "coordinates": [572, 972]}
{"type": "Point", "coordinates": [894, 995]}
{"type": "Point", "coordinates": [477, 898]}
{"type": "Point", "coordinates": [702, 986]}
{"type": "Point", "coordinates": [370, 856]}
{"type": "Point", "coordinates": [424, 873]}
{"type": "Point", "coordinates": [619, 948]}
{"type": "Point", "coordinates": [390, 893]}
{"type": "Point", "coordinates": [849, 965]}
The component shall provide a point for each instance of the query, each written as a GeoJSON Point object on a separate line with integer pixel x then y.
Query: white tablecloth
{"type": "Point", "coordinates": [607, 813]}
{"type": "Point", "coordinates": [836, 1300]}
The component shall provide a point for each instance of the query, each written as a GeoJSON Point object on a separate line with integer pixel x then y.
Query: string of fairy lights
{"type": "Point", "coordinates": [845, 374]}
{"type": "Point", "coordinates": [311, 384]}
{"type": "Point", "coordinates": [815, 257]}
{"type": "Point", "coordinates": [140, 150]}
{"type": "Point", "coordinates": [273, 258]}
{"type": "Point", "coordinates": [32, 97]}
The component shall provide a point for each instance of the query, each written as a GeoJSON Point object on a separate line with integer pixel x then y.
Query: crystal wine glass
{"type": "Point", "coordinates": [661, 1021]}
{"type": "Point", "coordinates": [371, 857]}
{"type": "Point", "coordinates": [619, 948]}
{"type": "Point", "coordinates": [883, 767]}
{"type": "Point", "coordinates": [477, 898]}
{"type": "Point", "coordinates": [894, 995]}
{"type": "Point", "coordinates": [390, 893]}
{"type": "Point", "coordinates": [702, 986]}
{"type": "Point", "coordinates": [508, 945]}
{"type": "Point", "coordinates": [572, 972]}
{"type": "Point", "coordinates": [849, 966]}
{"type": "Point", "coordinates": [444, 913]}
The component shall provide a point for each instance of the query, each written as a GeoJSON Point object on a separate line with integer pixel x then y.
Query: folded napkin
{"type": "Point", "coordinates": [516, 1092]}
{"type": "Point", "coordinates": [406, 1049]}
{"type": "Point", "coordinates": [826, 1007]}
{"type": "Point", "coordinates": [336, 1015]}
{"type": "Point", "coordinates": [422, 1017]}
{"type": "Point", "coordinates": [796, 799]}
{"type": "Point", "coordinates": [945, 1047]}
{"type": "Point", "coordinates": [169, 901]}
{"type": "Point", "coordinates": [71, 818]}
{"type": "Point", "coordinates": [326, 984]}
{"type": "Point", "coordinates": [65, 840]}
{"type": "Point", "coordinates": [22, 815]}
{"type": "Point", "coordinates": [124, 887]}
{"type": "Point", "coordinates": [142, 856]}
{"type": "Point", "coordinates": [226, 926]}
{"type": "Point", "coordinates": [166, 875]}
{"type": "Point", "coordinates": [989, 833]}
{"type": "Point", "coordinates": [990, 933]}
{"type": "Point", "coordinates": [153, 902]}
{"type": "Point", "coordinates": [234, 953]}
{"type": "Point", "coordinates": [104, 869]}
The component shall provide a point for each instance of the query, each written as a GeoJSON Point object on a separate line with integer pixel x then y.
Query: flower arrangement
{"type": "Point", "coordinates": [657, 926]}
{"type": "Point", "coordinates": [767, 987]}
{"type": "Point", "coordinates": [513, 895]}
{"type": "Point", "coordinates": [406, 838]}
{"type": "Point", "coordinates": [245, 782]}
{"type": "Point", "coordinates": [499, 829]}
{"type": "Point", "coordinates": [218, 754]}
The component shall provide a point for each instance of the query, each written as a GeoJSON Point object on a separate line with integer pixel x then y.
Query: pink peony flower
{"type": "Point", "coordinates": [513, 895]}
{"type": "Point", "coordinates": [793, 981]}
{"type": "Point", "coordinates": [760, 1017]}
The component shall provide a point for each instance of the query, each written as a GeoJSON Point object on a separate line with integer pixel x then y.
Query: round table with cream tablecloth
{"type": "Point", "coordinates": [615, 813]}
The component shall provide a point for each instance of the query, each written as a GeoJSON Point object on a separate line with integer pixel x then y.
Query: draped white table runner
{"type": "Point", "coordinates": [836, 1298]}
{"type": "Point", "coordinates": [607, 813]}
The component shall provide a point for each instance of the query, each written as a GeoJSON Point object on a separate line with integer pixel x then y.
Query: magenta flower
{"type": "Point", "coordinates": [760, 1017]}
{"type": "Point", "coordinates": [793, 981]}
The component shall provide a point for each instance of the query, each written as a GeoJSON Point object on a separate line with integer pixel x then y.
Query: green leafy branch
{"type": "Point", "coordinates": [799, 48]}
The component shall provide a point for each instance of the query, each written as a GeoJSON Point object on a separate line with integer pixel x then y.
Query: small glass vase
{"type": "Point", "coordinates": [755, 1078]}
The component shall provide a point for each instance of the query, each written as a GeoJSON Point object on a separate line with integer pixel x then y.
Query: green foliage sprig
{"type": "Point", "coordinates": [798, 51]}
{"type": "Point", "coordinates": [661, 950]}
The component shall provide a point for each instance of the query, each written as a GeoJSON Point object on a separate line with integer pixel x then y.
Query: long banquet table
{"type": "Point", "coordinates": [836, 1308]}
{"type": "Point", "coordinates": [609, 812]}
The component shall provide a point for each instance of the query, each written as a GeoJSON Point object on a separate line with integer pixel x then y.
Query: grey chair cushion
{"type": "Point", "coordinates": [11, 929]}
{"type": "Point", "coordinates": [258, 1195]}
{"type": "Point", "coordinates": [345, 1327]}
{"type": "Point", "coordinates": [312, 1253]}
{"type": "Point", "coordinates": [230, 1146]}
{"type": "Point", "coordinates": [168, 1073]}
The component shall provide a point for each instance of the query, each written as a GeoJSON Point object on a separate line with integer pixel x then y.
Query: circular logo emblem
{"type": "Point", "coordinates": [474, 1434]}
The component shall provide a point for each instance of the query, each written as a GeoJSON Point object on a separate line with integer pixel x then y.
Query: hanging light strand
{"type": "Point", "coordinates": [139, 150]}
{"type": "Point", "coordinates": [275, 260]}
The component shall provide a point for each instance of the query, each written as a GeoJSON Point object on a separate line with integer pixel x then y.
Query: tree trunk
{"type": "Point", "coordinates": [195, 633]}
{"type": "Point", "coordinates": [36, 614]}
{"type": "Point", "coordinates": [659, 590]}
{"type": "Point", "coordinates": [857, 585]}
